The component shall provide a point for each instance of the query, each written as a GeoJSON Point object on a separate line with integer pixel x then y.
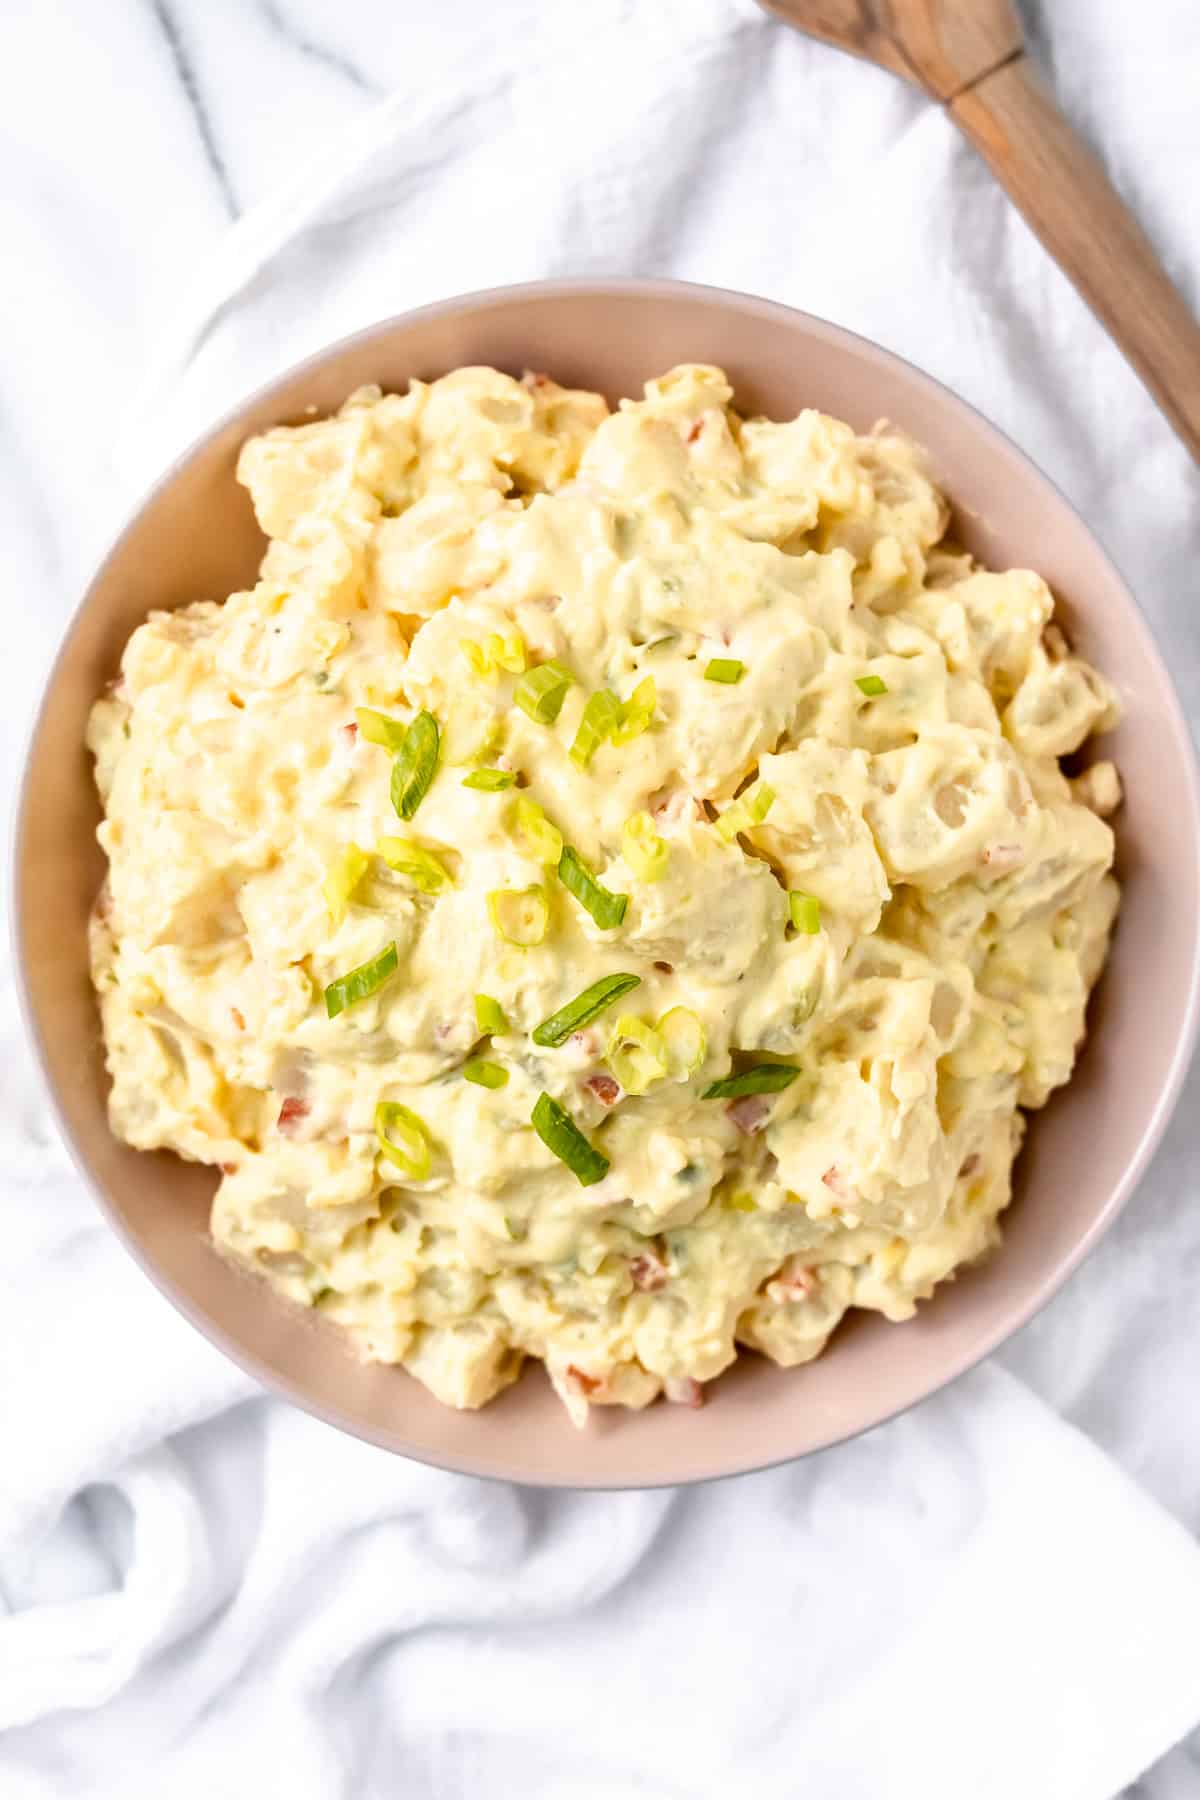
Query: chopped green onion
{"type": "Point", "coordinates": [870, 685]}
{"type": "Point", "coordinates": [519, 915]}
{"type": "Point", "coordinates": [637, 711]}
{"type": "Point", "coordinates": [759, 800]}
{"type": "Point", "coordinates": [726, 669]}
{"type": "Point", "coordinates": [583, 1008]}
{"type": "Point", "coordinates": [805, 912]}
{"type": "Point", "coordinates": [750, 809]}
{"type": "Point", "coordinates": [415, 764]}
{"type": "Point", "coordinates": [645, 852]}
{"type": "Point", "coordinates": [686, 1045]}
{"type": "Point", "coordinates": [740, 1203]}
{"type": "Point", "coordinates": [607, 909]}
{"type": "Point", "coordinates": [495, 653]}
{"type": "Point", "coordinates": [421, 866]}
{"type": "Point", "coordinates": [345, 872]}
{"type": "Point", "coordinates": [561, 1135]}
{"type": "Point", "coordinates": [490, 1017]}
{"type": "Point", "coordinates": [636, 1054]}
{"type": "Point", "coordinates": [349, 989]}
{"type": "Point", "coordinates": [540, 692]}
{"type": "Point", "coordinates": [377, 728]}
{"type": "Point", "coordinates": [490, 781]}
{"type": "Point", "coordinates": [763, 1078]}
{"type": "Point", "coordinates": [485, 1074]}
{"type": "Point", "coordinates": [507, 652]}
{"type": "Point", "coordinates": [403, 1139]}
{"type": "Point", "coordinates": [601, 716]}
{"type": "Point", "coordinates": [544, 839]}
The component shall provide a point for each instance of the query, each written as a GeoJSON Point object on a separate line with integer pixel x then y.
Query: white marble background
{"type": "Point", "coordinates": [133, 132]}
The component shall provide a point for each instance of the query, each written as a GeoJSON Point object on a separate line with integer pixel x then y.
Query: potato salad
{"type": "Point", "coordinates": [608, 891]}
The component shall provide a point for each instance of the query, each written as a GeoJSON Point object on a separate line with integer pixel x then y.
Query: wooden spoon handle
{"type": "Point", "coordinates": [1068, 200]}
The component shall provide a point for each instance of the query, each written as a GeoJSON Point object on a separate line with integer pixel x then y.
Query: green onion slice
{"type": "Point", "coordinates": [583, 1008]}
{"type": "Point", "coordinates": [805, 912]}
{"type": "Point", "coordinates": [507, 652]}
{"type": "Point", "coordinates": [636, 1054]}
{"type": "Point", "coordinates": [607, 909]}
{"type": "Point", "coordinates": [490, 781]}
{"type": "Point", "coordinates": [763, 1078]}
{"type": "Point", "coordinates": [870, 685]}
{"type": "Point", "coordinates": [750, 809]}
{"type": "Point", "coordinates": [519, 915]}
{"type": "Point", "coordinates": [345, 872]}
{"type": "Point", "coordinates": [646, 853]}
{"type": "Point", "coordinates": [403, 1139]}
{"type": "Point", "coordinates": [421, 866]}
{"type": "Point", "coordinates": [360, 983]}
{"type": "Point", "coordinates": [637, 712]}
{"type": "Point", "coordinates": [540, 692]}
{"type": "Point", "coordinates": [415, 764]}
{"type": "Point", "coordinates": [726, 669]}
{"type": "Point", "coordinates": [377, 728]}
{"type": "Point", "coordinates": [544, 839]}
{"type": "Point", "coordinates": [560, 1134]}
{"type": "Point", "coordinates": [495, 653]}
{"type": "Point", "coordinates": [490, 1017]}
{"type": "Point", "coordinates": [601, 716]}
{"type": "Point", "coordinates": [485, 1074]}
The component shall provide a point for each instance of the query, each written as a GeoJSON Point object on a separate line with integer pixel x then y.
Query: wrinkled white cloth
{"type": "Point", "coordinates": [204, 1590]}
{"type": "Point", "coordinates": [971, 1601]}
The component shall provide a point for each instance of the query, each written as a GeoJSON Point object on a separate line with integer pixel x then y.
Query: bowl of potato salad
{"type": "Point", "coordinates": [607, 885]}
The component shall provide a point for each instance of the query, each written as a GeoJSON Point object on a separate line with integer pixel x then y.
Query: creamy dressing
{"type": "Point", "coordinates": [902, 711]}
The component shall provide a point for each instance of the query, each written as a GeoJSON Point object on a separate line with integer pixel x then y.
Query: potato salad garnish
{"type": "Point", "coordinates": [609, 892]}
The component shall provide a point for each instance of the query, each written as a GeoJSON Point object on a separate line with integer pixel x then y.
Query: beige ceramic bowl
{"type": "Point", "coordinates": [195, 537]}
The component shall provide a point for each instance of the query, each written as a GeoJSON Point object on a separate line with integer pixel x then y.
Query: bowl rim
{"type": "Point", "coordinates": [283, 1386]}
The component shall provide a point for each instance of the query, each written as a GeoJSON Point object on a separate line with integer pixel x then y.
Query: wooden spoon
{"type": "Point", "coordinates": [970, 56]}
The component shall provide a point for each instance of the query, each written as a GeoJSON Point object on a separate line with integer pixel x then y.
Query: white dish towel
{"type": "Point", "coordinates": [206, 1593]}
